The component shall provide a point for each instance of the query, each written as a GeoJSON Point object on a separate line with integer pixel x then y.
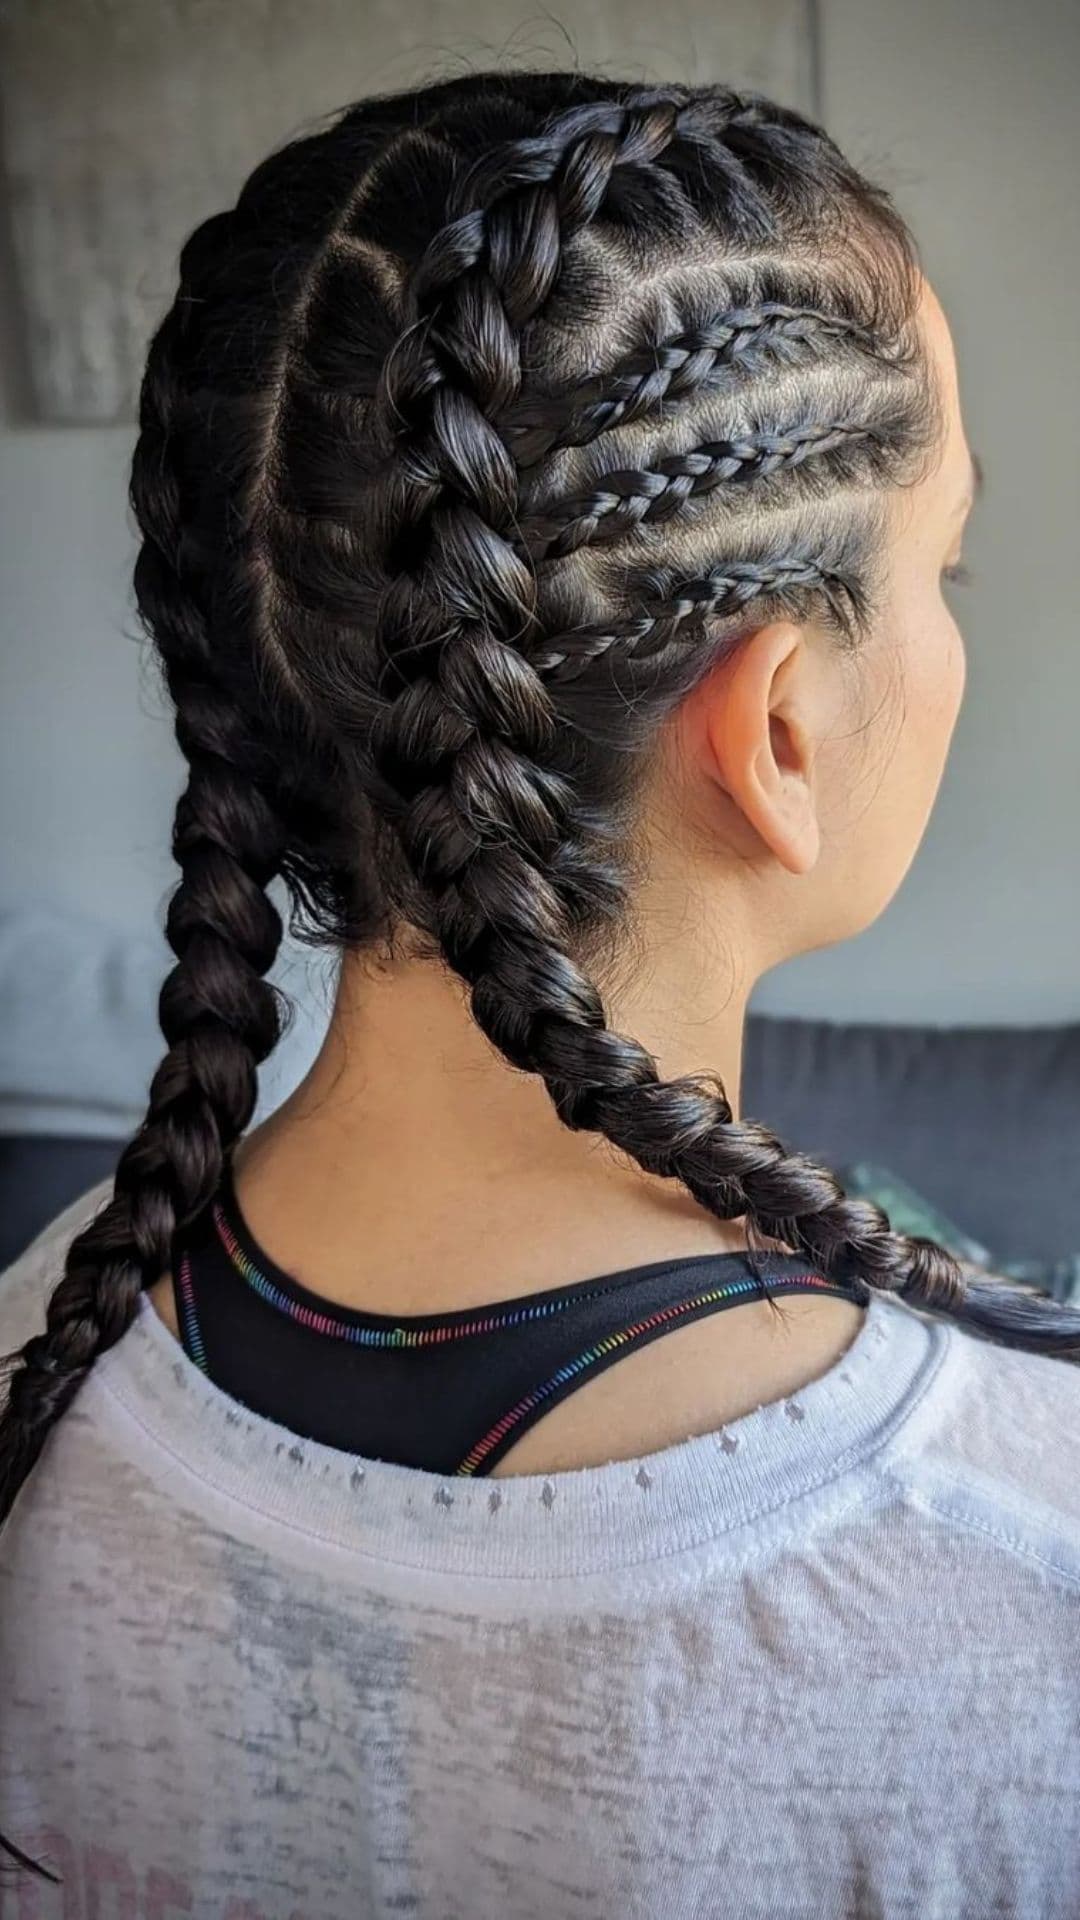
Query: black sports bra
{"type": "Point", "coordinates": [452, 1392]}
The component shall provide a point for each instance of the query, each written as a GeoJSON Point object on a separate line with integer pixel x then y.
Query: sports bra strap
{"type": "Point", "coordinates": [448, 1393]}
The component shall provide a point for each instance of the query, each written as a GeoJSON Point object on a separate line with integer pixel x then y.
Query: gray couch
{"type": "Point", "coordinates": [982, 1121]}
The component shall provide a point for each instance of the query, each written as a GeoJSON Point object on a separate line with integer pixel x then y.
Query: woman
{"type": "Point", "coordinates": [546, 488]}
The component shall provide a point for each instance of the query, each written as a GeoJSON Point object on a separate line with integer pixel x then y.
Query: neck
{"type": "Point", "coordinates": [414, 1171]}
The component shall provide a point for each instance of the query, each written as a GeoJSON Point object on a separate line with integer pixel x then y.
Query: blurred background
{"type": "Point", "coordinates": [937, 1059]}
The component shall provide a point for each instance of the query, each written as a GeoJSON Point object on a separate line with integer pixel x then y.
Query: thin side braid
{"type": "Point", "coordinates": [629, 498]}
{"type": "Point", "coordinates": [690, 363]}
{"type": "Point", "coordinates": [566, 656]}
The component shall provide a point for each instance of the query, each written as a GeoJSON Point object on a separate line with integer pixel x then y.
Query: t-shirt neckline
{"type": "Point", "coordinates": [214, 1453]}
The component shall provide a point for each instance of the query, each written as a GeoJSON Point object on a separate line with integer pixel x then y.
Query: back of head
{"type": "Point", "coordinates": [483, 425]}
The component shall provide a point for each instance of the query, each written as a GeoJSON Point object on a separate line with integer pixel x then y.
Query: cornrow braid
{"type": "Point", "coordinates": [680, 615]}
{"type": "Point", "coordinates": [687, 365]}
{"type": "Point", "coordinates": [634, 497]}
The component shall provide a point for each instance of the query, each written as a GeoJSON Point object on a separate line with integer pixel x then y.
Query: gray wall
{"type": "Point", "coordinates": [966, 108]}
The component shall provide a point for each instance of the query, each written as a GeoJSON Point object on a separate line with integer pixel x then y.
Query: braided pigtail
{"type": "Point", "coordinates": [464, 745]}
{"type": "Point", "coordinates": [219, 1016]}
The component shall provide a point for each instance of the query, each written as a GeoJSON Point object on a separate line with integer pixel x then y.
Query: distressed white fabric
{"type": "Point", "coordinates": [823, 1663]}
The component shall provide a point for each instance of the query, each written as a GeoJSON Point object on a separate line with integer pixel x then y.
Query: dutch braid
{"type": "Point", "coordinates": [462, 739]}
{"type": "Point", "coordinates": [463, 735]}
{"type": "Point", "coordinates": [218, 1015]}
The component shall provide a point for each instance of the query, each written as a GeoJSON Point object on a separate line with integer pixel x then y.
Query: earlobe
{"type": "Point", "coordinates": [785, 815]}
{"type": "Point", "coordinates": [759, 742]}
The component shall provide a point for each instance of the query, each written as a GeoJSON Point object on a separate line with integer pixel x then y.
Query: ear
{"type": "Point", "coordinates": [754, 723]}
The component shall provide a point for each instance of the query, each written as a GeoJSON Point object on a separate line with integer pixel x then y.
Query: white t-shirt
{"type": "Point", "coordinates": [822, 1663]}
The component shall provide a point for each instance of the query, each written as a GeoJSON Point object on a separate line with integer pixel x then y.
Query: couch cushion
{"type": "Point", "coordinates": [984, 1121]}
{"type": "Point", "coordinates": [39, 1178]}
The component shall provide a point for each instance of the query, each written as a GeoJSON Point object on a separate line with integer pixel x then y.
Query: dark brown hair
{"type": "Point", "coordinates": [482, 424]}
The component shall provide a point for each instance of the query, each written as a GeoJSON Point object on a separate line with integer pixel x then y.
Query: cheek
{"type": "Point", "coordinates": [936, 671]}
{"type": "Point", "coordinates": [928, 673]}
{"type": "Point", "coordinates": [914, 689]}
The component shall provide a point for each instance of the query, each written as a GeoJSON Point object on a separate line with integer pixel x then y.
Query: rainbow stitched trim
{"type": "Point", "coordinates": [381, 1336]}
{"type": "Point", "coordinates": [193, 1342]}
{"type": "Point", "coordinates": [478, 1454]}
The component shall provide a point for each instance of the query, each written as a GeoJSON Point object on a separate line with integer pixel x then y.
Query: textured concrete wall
{"type": "Point", "coordinates": [127, 121]}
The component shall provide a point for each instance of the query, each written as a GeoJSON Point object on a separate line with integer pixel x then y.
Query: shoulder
{"type": "Point", "coordinates": [26, 1285]}
{"type": "Point", "coordinates": [1004, 1458]}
